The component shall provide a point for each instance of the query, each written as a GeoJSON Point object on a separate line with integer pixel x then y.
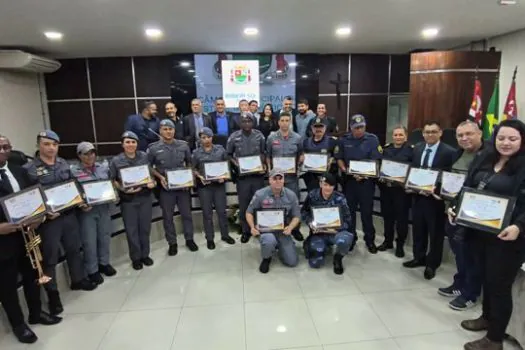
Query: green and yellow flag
{"type": "Point", "coordinates": [491, 118]}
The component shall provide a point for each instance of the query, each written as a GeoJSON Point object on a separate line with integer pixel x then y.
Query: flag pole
{"type": "Point", "coordinates": [515, 72]}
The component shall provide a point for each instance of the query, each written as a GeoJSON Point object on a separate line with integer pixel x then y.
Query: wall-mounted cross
{"type": "Point", "coordinates": [338, 84]}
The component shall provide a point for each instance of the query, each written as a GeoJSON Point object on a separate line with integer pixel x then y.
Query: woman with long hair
{"type": "Point", "coordinates": [499, 170]}
{"type": "Point", "coordinates": [267, 122]}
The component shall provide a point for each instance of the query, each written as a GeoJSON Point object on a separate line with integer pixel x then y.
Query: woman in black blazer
{"type": "Point", "coordinates": [267, 123]}
{"type": "Point", "coordinates": [500, 170]}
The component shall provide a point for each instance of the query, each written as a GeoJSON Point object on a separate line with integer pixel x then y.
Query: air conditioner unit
{"type": "Point", "coordinates": [17, 60]}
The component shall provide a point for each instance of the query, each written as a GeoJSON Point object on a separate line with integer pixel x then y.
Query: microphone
{"type": "Point", "coordinates": [154, 133]}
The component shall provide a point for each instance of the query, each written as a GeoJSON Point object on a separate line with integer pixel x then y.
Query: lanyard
{"type": "Point", "coordinates": [486, 180]}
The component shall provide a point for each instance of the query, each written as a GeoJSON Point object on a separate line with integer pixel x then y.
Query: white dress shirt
{"type": "Point", "coordinates": [14, 184]}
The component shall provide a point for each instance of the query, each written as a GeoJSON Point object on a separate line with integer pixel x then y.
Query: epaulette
{"type": "Point", "coordinates": [387, 145]}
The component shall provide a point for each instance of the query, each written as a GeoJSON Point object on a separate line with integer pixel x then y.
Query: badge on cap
{"type": "Point", "coordinates": [42, 134]}
{"type": "Point", "coordinates": [358, 119]}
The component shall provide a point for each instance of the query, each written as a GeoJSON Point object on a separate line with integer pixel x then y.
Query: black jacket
{"type": "Point", "coordinates": [189, 128]}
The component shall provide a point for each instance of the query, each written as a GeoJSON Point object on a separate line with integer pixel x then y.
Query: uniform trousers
{"type": "Point", "coordinates": [361, 194]}
{"type": "Point", "coordinates": [213, 195]}
{"type": "Point", "coordinates": [395, 206]}
{"type": "Point", "coordinates": [9, 270]}
{"type": "Point", "coordinates": [272, 241]}
{"type": "Point", "coordinates": [136, 214]}
{"type": "Point", "coordinates": [320, 242]}
{"type": "Point", "coordinates": [63, 230]}
{"type": "Point", "coordinates": [95, 226]}
{"type": "Point", "coordinates": [246, 188]}
{"type": "Point", "coordinates": [168, 201]}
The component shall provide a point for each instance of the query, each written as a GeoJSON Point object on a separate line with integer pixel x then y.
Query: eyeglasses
{"type": "Point", "coordinates": [431, 132]}
{"type": "Point", "coordinates": [5, 148]}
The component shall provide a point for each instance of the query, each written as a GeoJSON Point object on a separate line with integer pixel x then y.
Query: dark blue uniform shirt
{"type": "Point", "coordinates": [364, 148]}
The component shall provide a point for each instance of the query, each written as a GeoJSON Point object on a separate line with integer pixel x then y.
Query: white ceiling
{"type": "Point", "coordinates": [116, 27]}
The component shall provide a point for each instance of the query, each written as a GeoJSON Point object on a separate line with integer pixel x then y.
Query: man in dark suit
{"type": "Point", "coordinates": [235, 120]}
{"type": "Point", "coordinates": [13, 258]}
{"type": "Point", "coordinates": [221, 122]}
{"type": "Point", "coordinates": [194, 122]}
{"type": "Point", "coordinates": [428, 210]}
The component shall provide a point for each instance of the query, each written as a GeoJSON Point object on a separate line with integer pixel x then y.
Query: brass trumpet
{"type": "Point", "coordinates": [32, 243]}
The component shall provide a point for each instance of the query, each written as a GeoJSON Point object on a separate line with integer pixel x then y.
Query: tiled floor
{"type": "Point", "coordinates": [214, 300]}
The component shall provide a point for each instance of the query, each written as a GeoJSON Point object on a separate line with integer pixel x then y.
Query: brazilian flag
{"type": "Point", "coordinates": [491, 118]}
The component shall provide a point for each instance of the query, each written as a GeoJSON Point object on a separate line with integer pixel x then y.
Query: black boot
{"type": "Point", "coordinates": [55, 304]}
{"type": "Point", "coordinates": [400, 252]}
{"type": "Point", "coordinates": [385, 246]}
{"type": "Point", "coordinates": [265, 265]}
{"type": "Point", "coordinates": [338, 264]}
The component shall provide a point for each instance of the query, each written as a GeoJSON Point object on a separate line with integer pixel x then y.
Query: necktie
{"type": "Point", "coordinates": [427, 158]}
{"type": "Point", "coordinates": [5, 181]}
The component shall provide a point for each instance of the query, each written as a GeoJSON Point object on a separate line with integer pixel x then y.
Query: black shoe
{"type": "Point", "coordinates": [245, 237]}
{"type": "Point", "coordinates": [265, 265]}
{"type": "Point", "coordinates": [400, 252]}
{"type": "Point", "coordinates": [449, 292]}
{"type": "Point", "coordinates": [190, 243]}
{"type": "Point", "coordinates": [210, 245]}
{"type": "Point", "coordinates": [429, 273]}
{"type": "Point", "coordinates": [55, 304]}
{"type": "Point", "coordinates": [414, 263]}
{"type": "Point", "coordinates": [147, 261]}
{"type": "Point", "coordinates": [172, 251]}
{"type": "Point", "coordinates": [24, 334]}
{"type": "Point", "coordinates": [385, 246]}
{"type": "Point", "coordinates": [297, 235]}
{"type": "Point", "coordinates": [338, 264]}
{"type": "Point", "coordinates": [96, 278]}
{"type": "Point", "coordinates": [44, 318]}
{"type": "Point", "coordinates": [84, 284]}
{"type": "Point", "coordinates": [228, 239]}
{"type": "Point", "coordinates": [137, 265]}
{"type": "Point", "coordinates": [372, 249]}
{"type": "Point", "coordinates": [107, 270]}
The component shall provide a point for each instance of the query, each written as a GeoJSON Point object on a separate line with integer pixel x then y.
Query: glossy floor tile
{"type": "Point", "coordinates": [219, 300]}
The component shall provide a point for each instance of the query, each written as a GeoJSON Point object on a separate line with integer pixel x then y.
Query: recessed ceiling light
{"type": "Point", "coordinates": [185, 64]}
{"type": "Point", "coordinates": [53, 35]}
{"type": "Point", "coordinates": [153, 33]}
{"type": "Point", "coordinates": [292, 64]}
{"type": "Point", "coordinates": [508, 2]}
{"type": "Point", "coordinates": [429, 33]}
{"type": "Point", "coordinates": [343, 31]}
{"type": "Point", "coordinates": [304, 76]}
{"type": "Point", "coordinates": [278, 71]}
{"type": "Point", "coordinates": [251, 31]}
{"type": "Point", "coordinates": [191, 70]}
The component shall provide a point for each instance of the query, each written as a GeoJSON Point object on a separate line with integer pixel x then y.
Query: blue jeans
{"type": "Point", "coordinates": [468, 277]}
{"type": "Point", "coordinates": [318, 244]}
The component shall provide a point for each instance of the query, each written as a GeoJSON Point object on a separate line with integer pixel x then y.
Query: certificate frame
{"type": "Point", "coordinates": [75, 202]}
{"type": "Point", "coordinates": [350, 172]}
{"type": "Point", "coordinates": [142, 183]}
{"type": "Point", "coordinates": [92, 201]}
{"type": "Point", "coordinates": [427, 188]}
{"type": "Point", "coordinates": [320, 170]}
{"type": "Point", "coordinates": [39, 212]}
{"type": "Point", "coordinates": [225, 176]}
{"type": "Point", "coordinates": [280, 228]}
{"type": "Point", "coordinates": [289, 171]}
{"type": "Point", "coordinates": [330, 227]}
{"type": "Point", "coordinates": [395, 179]}
{"type": "Point", "coordinates": [173, 172]}
{"type": "Point", "coordinates": [443, 192]}
{"type": "Point", "coordinates": [256, 170]}
{"type": "Point", "coordinates": [495, 225]}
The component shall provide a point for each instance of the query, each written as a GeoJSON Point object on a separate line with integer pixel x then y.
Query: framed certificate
{"type": "Point", "coordinates": [422, 179]}
{"type": "Point", "coordinates": [451, 184]}
{"type": "Point", "coordinates": [217, 171]}
{"type": "Point", "coordinates": [269, 220]}
{"type": "Point", "coordinates": [250, 165]}
{"type": "Point", "coordinates": [484, 211]}
{"type": "Point", "coordinates": [180, 178]}
{"type": "Point", "coordinates": [286, 164]}
{"type": "Point", "coordinates": [135, 176]}
{"type": "Point", "coordinates": [24, 205]}
{"type": "Point", "coordinates": [366, 168]}
{"type": "Point", "coordinates": [315, 162]}
{"type": "Point", "coordinates": [63, 196]}
{"type": "Point", "coordinates": [98, 192]}
{"type": "Point", "coordinates": [326, 218]}
{"type": "Point", "coordinates": [393, 171]}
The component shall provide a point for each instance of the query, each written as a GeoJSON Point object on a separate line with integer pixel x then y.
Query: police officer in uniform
{"type": "Point", "coordinates": [276, 196]}
{"type": "Point", "coordinates": [395, 202]}
{"type": "Point", "coordinates": [61, 229]}
{"type": "Point", "coordinates": [287, 143]}
{"type": "Point", "coordinates": [95, 221]}
{"type": "Point", "coordinates": [135, 202]}
{"type": "Point", "coordinates": [244, 143]}
{"type": "Point", "coordinates": [359, 191]}
{"type": "Point", "coordinates": [170, 154]}
{"type": "Point", "coordinates": [319, 142]}
{"type": "Point", "coordinates": [319, 240]}
{"type": "Point", "coordinates": [211, 193]}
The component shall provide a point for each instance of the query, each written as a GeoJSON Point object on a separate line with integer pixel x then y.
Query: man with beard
{"type": "Point", "coordinates": [145, 125]}
{"type": "Point", "coordinates": [171, 113]}
{"type": "Point", "coordinates": [303, 118]}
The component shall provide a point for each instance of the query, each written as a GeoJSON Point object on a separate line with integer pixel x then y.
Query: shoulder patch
{"type": "Point", "coordinates": [387, 145]}
{"type": "Point", "coordinates": [336, 148]}
{"type": "Point", "coordinates": [380, 149]}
